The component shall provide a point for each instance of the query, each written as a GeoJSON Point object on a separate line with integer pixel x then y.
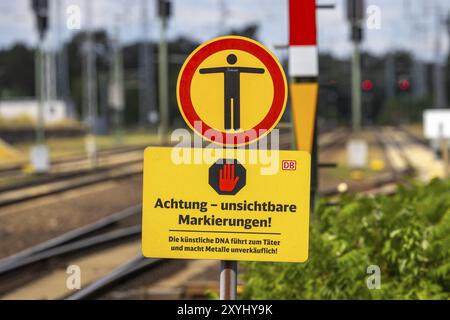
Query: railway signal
{"type": "Point", "coordinates": [355, 15]}
{"type": "Point", "coordinates": [367, 85]}
{"type": "Point", "coordinates": [40, 8]}
{"type": "Point", "coordinates": [404, 84]}
{"type": "Point", "coordinates": [231, 91]}
{"type": "Point", "coordinates": [355, 148]}
{"type": "Point", "coordinates": [39, 156]}
{"type": "Point", "coordinates": [90, 88]}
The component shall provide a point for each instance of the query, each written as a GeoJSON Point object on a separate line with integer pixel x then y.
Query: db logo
{"type": "Point", "coordinates": [289, 164]}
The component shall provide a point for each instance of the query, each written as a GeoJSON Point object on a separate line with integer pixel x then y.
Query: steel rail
{"type": "Point", "coordinates": [73, 247]}
{"type": "Point", "coordinates": [59, 176]}
{"type": "Point", "coordinates": [68, 237]}
{"type": "Point", "coordinates": [119, 275]}
{"type": "Point", "coordinates": [76, 158]}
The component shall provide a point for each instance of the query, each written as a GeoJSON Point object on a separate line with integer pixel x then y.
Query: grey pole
{"type": "Point", "coordinates": [389, 77]}
{"type": "Point", "coordinates": [356, 90]}
{"type": "Point", "coordinates": [440, 95]}
{"type": "Point", "coordinates": [63, 86]}
{"type": "Point", "coordinates": [355, 15]}
{"type": "Point", "coordinates": [439, 85]}
{"type": "Point", "coordinates": [117, 96]}
{"type": "Point", "coordinates": [146, 83]}
{"type": "Point", "coordinates": [228, 280]}
{"type": "Point", "coordinates": [40, 134]}
{"type": "Point", "coordinates": [163, 81]}
{"type": "Point", "coordinates": [91, 84]}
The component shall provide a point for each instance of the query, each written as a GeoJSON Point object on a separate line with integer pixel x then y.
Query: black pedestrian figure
{"type": "Point", "coordinates": [232, 90]}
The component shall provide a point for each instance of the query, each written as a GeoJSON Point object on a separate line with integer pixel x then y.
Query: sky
{"type": "Point", "coordinates": [404, 24]}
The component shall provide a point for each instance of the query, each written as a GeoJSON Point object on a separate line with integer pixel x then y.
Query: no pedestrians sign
{"type": "Point", "coordinates": [232, 90]}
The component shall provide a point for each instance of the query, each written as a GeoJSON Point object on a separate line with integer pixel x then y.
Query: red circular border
{"type": "Point", "coordinates": [228, 44]}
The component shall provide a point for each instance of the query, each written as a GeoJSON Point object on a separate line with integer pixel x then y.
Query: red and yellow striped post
{"type": "Point", "coordinates": [303, 70]}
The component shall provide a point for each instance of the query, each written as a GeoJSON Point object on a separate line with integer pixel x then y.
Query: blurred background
{"type": "Point", "coordinates": [86, 85]}
{"type": "Point", "coordinates": [403, 61]}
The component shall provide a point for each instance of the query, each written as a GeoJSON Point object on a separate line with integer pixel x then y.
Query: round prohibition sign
{"type": "Point", "coordinates": [232, 91]}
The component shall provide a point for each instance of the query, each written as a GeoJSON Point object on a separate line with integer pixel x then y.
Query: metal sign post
{"type": "Point", "coordinates": [228, 280]}
{"type": "Point", "coordinates": [228, 277]}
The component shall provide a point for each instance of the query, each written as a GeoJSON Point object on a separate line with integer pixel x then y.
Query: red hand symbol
{"type": "Point", "coordinates": [227, 180]}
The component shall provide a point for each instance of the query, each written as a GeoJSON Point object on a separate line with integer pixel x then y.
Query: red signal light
{"type": "Point", "coordinates": [404, 84]}
{"type": "Point", "coordinates": [367, 85]}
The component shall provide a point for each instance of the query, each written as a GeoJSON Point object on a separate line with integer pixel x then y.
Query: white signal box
{"type": "Point", "coordinates": [436, 123]}
{"type": "Point", "coordinates": [357, 153]}
{"type": "Point", "coordinates": [39, 158]}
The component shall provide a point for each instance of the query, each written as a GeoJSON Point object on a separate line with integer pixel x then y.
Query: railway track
{"type": "Point", "coordinates": [110, 236]}
{"type": "Point", "coordinates": [422, 141]}
{"type": "Point", "coordinates": [394, 153]}
{"type": "Point", "coordinates": [68, 166]}
{"type": "Point", "coordinates": [399, 165]}
{"type": "Point", "coordinates": [121, 274]}
{"type": "Point", "coordinates": [421, 155]}
{"type": "Point", "coordinates": [17, 169]}
{"type": "Point", "coordinates": [406, 156]}
{"type": "Point", "coordinates": [40, 271]}
{"type": "Point", "coordinates": [64, 182]}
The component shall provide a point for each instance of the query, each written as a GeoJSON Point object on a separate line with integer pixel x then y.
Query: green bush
{"type": "Point", "coordinates": [407, 235]}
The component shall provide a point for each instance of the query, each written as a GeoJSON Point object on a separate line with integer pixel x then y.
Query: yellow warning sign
{"type": "Point", "coordinates": [252, 205]}
{"type": "Point", "coordinates": [232, 87]}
